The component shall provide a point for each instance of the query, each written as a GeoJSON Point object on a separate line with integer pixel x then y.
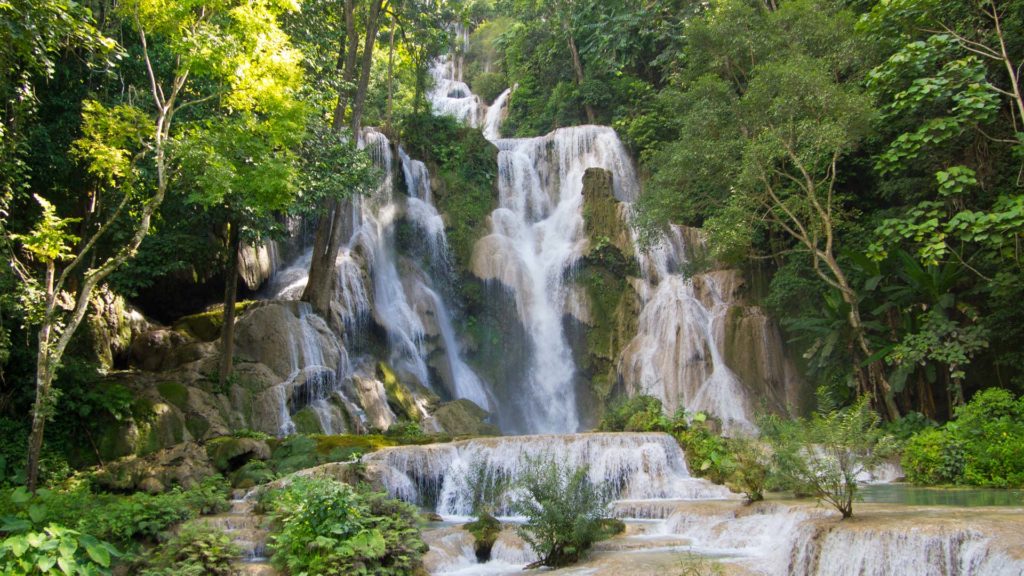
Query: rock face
{"type": "Point", "coordinates": [464, 418]}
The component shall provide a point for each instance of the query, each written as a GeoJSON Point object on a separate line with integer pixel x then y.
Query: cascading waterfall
{"type": "Point", "coordinates": [675, 355]}
{"type": "Point", "coordinates": [536, 238]}
{"type": "Point", "coordinates": [493, 118]}
{"type": "Point", "coordinates": [633, 466]}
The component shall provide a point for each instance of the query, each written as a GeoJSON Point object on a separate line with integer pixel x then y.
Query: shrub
{"type": "Point", "coordinates": [489, 85]}
{"type": "Point", "coordinates": [197, 550]}
{"type": "Point", "coordinates": [983, 446]}
{"type": "Point", "coordinates": [54, 548]}
{"type": "Point", "coordinates": [564, 511]}
{"type": "Point", "coordinates": [485, 531]}
{"type": "Point", "coordinates": [325, 527]}
{"type": "Point", "coordinates": [822, 455]}
{"type": "Point", "coordinates": [933, 457]}
{"type": "Point", "coordinates": [637, 414]}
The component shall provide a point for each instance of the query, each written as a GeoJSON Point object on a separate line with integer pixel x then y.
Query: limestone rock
{"type": "Point", "coordinates": [464, 418]}
{"type": "Point", "coordinates": [184, 465]}
{"type": "Point", "coordinates": [373, 397]}
{"type": "Point", "coordinates": [286, 336]}
{"type": "Point", "coordinates": [164, 349]}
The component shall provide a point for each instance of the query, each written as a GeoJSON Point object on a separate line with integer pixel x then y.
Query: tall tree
{"type": "Point", "coordinates": [193, 41]}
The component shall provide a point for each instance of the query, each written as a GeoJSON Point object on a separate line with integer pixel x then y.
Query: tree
{"type": "Point", "coordinates": [563, 509]}
{"type": "Point", "coordinates": [823, 455]}
{"type": "Point", "coordinates": [193, 42]}
{"type": "Point", "coordinates": [330, 230]}
{"type": "Point", "coordinates": [798, 123]}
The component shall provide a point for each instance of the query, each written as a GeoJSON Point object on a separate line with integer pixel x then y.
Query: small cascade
{"type": "Point", "coordinates": [494, 116]}
{"type": "Point", "coordinates": [451, 96]}
{"type": "Point", "coordinates": [632, 465]}
{"type": "Point", "coordinates": [782, 539]}
{"type": "Point", "coordinates": [248, 531]}
{"type": "Point", "coordinates": [536, 238]}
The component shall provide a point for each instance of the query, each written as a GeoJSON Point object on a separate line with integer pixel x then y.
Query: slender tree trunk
{"type": "Point", "coordinates": [227, 331]}
{"type": "Point", "coordinates": [577, 66]}
{"type": "Point", "coordinates": [327, 241]}
{"type": "Point", "coordinates": [44, 384]}
{"type": "Point", "coordinates": [372, 23]}
{"type": "Point", "coordinates": [391, 75]}
{"type": "Point", "coordinates": [874, 377]}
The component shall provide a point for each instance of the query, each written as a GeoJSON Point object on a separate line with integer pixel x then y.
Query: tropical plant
{"type": "Point", "coordinates": [822, 455]}
{"type": "Point", "coordinates": [564, 511]}
{"type": "Point", "coordinates": [325, 527]}
{"type": "Point", "coordinates": [52, 549]}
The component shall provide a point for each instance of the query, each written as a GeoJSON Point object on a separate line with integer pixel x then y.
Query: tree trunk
{"type": "Point", "coordinates": [577, 66]}
{"type": "Point", "coordinates": [348, 71]}
{"type": "Point", "coordinates": [327, 241]}
{"type": "Point", "coordinates": [44, 384]}
{"type": "Point", "coordinates": [372, 22]}
{"type": "Point", "coordinates": [227, 332]}
{"type": "Point", "coordinates": [322, 274]}
{"type": "Point", "coordinates": [391, 74]}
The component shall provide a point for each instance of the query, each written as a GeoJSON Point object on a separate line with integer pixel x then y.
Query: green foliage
{"type": "Point", "coordinates": [563, 510]}
{"type": "Point", "coordinates": [327, 528]}
{"type": "Point", "coordinates": [823, 454]}
{"type": "Point", "coordinates": [55, 550]}
{"type": "Point", "coordinates": [123, 520]}
{"type": "Point", "coordinates": [485, 530]}
{"type": "Point", "coordinates": [196, 550]}
{"type": "Point", "coordinates": [636, 414]}
{"type": "Point", "coordinates": [932, 457]}
{"type": "Point", "coordinates": [983, 446]}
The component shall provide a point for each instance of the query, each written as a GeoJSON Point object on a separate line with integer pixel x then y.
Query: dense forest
{"type": "Point", "coordinates": [861, 161]}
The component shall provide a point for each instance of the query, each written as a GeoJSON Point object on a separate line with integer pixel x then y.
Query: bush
{"type": "Point", "coordinates": [489, 85]}
{"type": "Point", "coordinates": [823, 455]}
{"type": "Point", "coordinates": [123, 520]}
{"type": "Point", "coordinates": [983, 446]}
{"type": "Point", "coordinates": [54, 548]}
{"type": "Point", "coordinates": [197, 550]}
{"type": "Point", "coordinates": [637, 414]}
{"type": "Point", "coordinates": [933, 457]}
{"type": "Point", "coordinates": [325, 527]}
{"type": "Point", "coordinates": [564, 512]}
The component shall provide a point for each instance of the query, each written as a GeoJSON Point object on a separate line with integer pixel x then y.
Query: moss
{"type": "Point", "coordinates": [251, 474]}
{"type": "Point", "coordinates": [307, 422]}
{"type": "Point", "coordinates": [229, 452]}
{"type": "Point", "coordinates": [175, 393]}
{"type": "Point", "coordinates": [485, 531]}
{"type": "Point", "coordinates": [197, 426]}
{"type": "Point", "coordinates": [403, 398]}
{"type": "Point", "coordinates": [462, 417]}
{"type": "Point", "coordinates": [206, 326]}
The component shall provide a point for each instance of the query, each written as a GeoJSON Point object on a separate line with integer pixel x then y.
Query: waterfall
{"type": "Point", "coordinates": [536, 238]}
{"type": "Point", "coordinates": [801, 540]}
{"type": "Point", "coordinates": [675, 355]}
{"type": "Point", "coordinates": [492, 120]}
{"type": "Point", "coordinates": [632, 465]}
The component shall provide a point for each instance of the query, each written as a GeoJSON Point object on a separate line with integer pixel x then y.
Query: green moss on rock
{"type": "Point", "coordinates": [464, 418]}
{"type": "Point", "coordinates": [307, 422]}
{"type": "Point", "coordinates": [206, 326]}
{"type": "Point", "coordinates": [175, 393]}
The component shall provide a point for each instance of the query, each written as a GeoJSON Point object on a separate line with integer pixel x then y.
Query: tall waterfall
{"type": "Point", "coordinates": [536, 238]}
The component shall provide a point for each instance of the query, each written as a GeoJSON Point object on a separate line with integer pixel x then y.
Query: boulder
{"type": "Point", "coordinates": [184, 465]}
{"type": "Point", "coordinates": [286, 336]}
{"type": "Point", "coordinates": [464, 418]}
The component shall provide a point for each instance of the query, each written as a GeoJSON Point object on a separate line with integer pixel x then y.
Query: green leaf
{"type": "Point", "coordinates": [45, 563]}
{"type": "Point", "coordinates": [37, 512]}
{"type": "Point", "coordinates": [99, 554]}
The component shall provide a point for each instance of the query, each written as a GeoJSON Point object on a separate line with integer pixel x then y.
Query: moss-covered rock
{"type": "Point", "coordinates": [485, 531]}
{"type": "Point", "coordinates": [602, 214]}
{"type": "Point", "coordinates": [229, 453]}
{"type": "Point", "coordinates": [206, 326]}
{"type": "Point", "coordinates": [184, 465]}
{"type": "Point", "coordinates": [409, 401]}
{"type": "Point", "coordinates": [307, 422]}
{"type": "Point", "coordinates": [464, 418]}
